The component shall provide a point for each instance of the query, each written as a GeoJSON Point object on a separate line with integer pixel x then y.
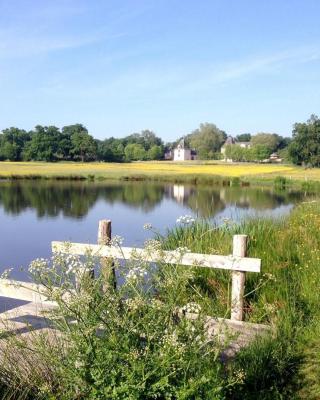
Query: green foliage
{"type": "Point", "coordinates": [12, 142]}
{"type": "Point", "coordinates": [288, 364]}
{"type": "Point", "coordinates": [43, 145]}
{"type": "Point", "coordinates": [83, 146]}
{"type": "Point", "coordinates": [256, 153]}
{"type": "Point", "coordinates": [271, 141]}
{"type": "Point", "coordinates": [146, 139]}
{"type": "Point", "coordinates": [305, 146]}
{"type": "Point", "coordinates": [260, 152]}
{"type": "Point", "coordinates": [244, 137]}
{"type": "Point", "coordinates": [206, 140]}
{"type": "Point", "coordinates": [135, 342]}
{"type": "Point", "coordinates": [155, 153]}
{"type": "Point", "coordinates": [280, 182]}
{"type": "Point", "coordinates": [134, 152]}
{"type": "Point", "coordinates": [74, 143]}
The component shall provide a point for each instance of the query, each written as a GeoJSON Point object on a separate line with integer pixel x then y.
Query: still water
{"type": "Point", "coordinates": [34, 213]}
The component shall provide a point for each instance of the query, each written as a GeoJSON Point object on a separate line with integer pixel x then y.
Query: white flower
{"type": "Point", "coordinates": [147, 227]}
{"type": "Point", "coordinates": [6, 273]}
{"type": "Point", "coordinates": [185, 219]}
{"type": "Point", "coordinates": [152, 245]}
{"type": "Point", "coordinates": [192, 308]}
{"type": "Point", "coordinates": [136, 273]}
{"type": "Point", "coordinates": [116, 241]}
{"type": "Point", "coordinates": [38, 265]}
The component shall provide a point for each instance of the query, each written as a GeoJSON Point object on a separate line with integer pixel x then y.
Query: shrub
{"type": "Point", "coordinates": [133, 342]}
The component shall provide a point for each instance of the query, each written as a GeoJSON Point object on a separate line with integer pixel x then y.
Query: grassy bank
{"type": "Point", "coordinates": [196, 172]}
{"type": "Point", "coordinates": [286, 296]}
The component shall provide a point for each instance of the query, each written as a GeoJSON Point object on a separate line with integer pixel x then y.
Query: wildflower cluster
{"type": "Point", "coordinates": [116, 241]}
{"type": "Point", "coordinates": [6, 273]}
{"type": "Point", "coordinates": [171, 340]}
{"type": "Point", "coordinates": [186, 220]}
{"type": "Point", "coordinates": [192, 308]}
{"type": "Point", "coordinates": [136, 273]}
{"type": "Point", "coordinates": [38, 265]}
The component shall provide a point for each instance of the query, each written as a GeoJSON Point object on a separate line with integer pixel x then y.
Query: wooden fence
{"type": "Point", "coordinates": [238, 263]}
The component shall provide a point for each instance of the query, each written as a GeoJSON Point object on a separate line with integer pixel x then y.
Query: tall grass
{"type": "Point", "coordinates": [286, 296]}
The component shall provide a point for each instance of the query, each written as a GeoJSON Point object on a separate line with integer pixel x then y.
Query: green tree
{"type": "Point", "coordinates": [244, 137]}
{"type": "Point", "coordinates": [146, 139]}
{"type": "Point", "coordinates": [260, 152]}
{"type": "Point", "coordinates": [134, 152]}
{"type": "Point", "coordinates": [43, 144]}
{"type": "Point", "coordinates": [207, 140]}
{"type": "Point", "coordinates": [111, 150]}
{"type": "Point", "coordinates": [305, 145]}
{"type": "Point", "coordinates": [12, 142]}
{"type": "Point", "coordinates": [83, 145]}
{"type": "Point", "coordinates": [9, 151]}
{"type": "Point", "coordinates": [269, 140]}
{"type": "Point", "coordinates": [155, 153]}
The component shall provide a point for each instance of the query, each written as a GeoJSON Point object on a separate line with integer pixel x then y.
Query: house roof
{"type": "Point", "coordinates": [182, 144]}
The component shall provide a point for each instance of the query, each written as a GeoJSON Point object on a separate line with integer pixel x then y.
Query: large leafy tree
{"type": "Point", "coordinates": [207, 140]}
{"type": "Point", "coordinates": [155, 153]}
{"type": "Point", "coordinates": [83, 145]}
{"type": "Point", "coordinates": [146, 139]}
{"type": "Point", "coordinates": [305, 145]}
{"type": "Point", "coordinates": [111, 149]}
{"type": "Point", "coordinates": [43, 145]}
{"type": "Point", "coordinates": [134, 152]}
{"type": "Point", "coordinates": [12, 142]}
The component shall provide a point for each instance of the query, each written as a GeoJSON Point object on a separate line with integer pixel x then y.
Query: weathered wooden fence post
{"type": "Point", "coordinates": [238, 278]}
{"type": "Point", "coordinates": [107, 267]}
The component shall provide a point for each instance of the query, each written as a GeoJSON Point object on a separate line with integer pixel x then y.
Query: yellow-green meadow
{"type": "Point", "coordinates": [158, 170]}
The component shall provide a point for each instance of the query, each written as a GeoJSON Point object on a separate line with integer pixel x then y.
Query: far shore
{"type": "Point", "coordinates": [209, 172]}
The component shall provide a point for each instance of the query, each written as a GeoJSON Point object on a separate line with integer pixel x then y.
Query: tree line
{"type": "Point", "coordinates": [74, 143]}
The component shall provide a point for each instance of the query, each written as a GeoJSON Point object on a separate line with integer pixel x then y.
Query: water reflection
{"type": "Point", "coordinates": [75, 199]}
{"type": "Point", "coordinates": [34, 213]}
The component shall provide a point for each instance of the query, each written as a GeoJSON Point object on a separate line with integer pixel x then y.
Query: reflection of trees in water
{"type": "Point", "coordinates": [259, 198]}
{"type": "Point", "coordinates": [48, 199]}
{"type": "Point", "coordinates": [138, 195]}
{"type": "Point", "coordinates": [74, 199]}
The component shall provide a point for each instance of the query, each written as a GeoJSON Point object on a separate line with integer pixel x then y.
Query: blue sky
{"type": "Point", "coordinates": [122, 66]}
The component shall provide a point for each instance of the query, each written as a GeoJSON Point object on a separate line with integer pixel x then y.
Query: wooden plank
{"type": "Point", "coordinates": [233, 263]}
{"type": "Point", "coordinates": [238, 278]}
{"type": "Point", "coordinates": [26, 291]}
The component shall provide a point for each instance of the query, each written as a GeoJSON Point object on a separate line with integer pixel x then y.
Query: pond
{"type": "Point", "coordinates": [34, 213]}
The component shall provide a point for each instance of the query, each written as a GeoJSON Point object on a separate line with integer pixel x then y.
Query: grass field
{"type": "Point", "coordinates": [156, 170]}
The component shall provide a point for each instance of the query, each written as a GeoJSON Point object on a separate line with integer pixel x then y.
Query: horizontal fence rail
{"type": "Point", "coordinates": [233, 263]}
{"type": "Point", "coordinates": [237, 263]}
